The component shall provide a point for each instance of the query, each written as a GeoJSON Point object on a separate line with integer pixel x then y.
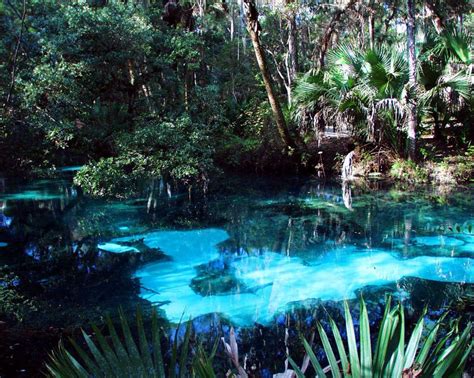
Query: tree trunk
{"type": "Point", "coordinates": [187, 76]}
{"type": "Point", "coordinates": [412, 119]}
{"type": "Point", "coordinates": [253, 27]}
{"type": "Point", "coordinates": [437, 128]}
{"type": "Point", "coordinates": [15, 55]}
{"type": "Point", "coordinates": [331, 28]}
{"type": "Point", "coordinates": [434, 15]}
{"type": "Point", "coordinates": [388, 19]}
{"type": "Point", "coordinates": [292, 42]}
{"type": "Point", "coordinates": [362, 31]}
{"type": "Point", "coordinates": [372, 25]}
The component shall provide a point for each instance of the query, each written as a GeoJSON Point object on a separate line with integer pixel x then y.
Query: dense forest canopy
{"type": "Point", "coordinates": [184, 89]}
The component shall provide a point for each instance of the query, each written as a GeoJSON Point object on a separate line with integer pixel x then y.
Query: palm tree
{"type": "Point", "coordinates": [363, 88]}
{"type": "Point", "coordinates": [412, 115]}
{"type": "Point", "coordinates": [370, 90]}
{"type": "Point", "coordinates": [446, 79]}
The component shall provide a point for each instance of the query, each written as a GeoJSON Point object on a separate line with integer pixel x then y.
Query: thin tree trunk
{"type": "Point", "coordinates": [412, 119]}
{"type": "Point", "coordinates": [372, 25]}
{"type": "Point", "coordinates": [292, 42]}
{"type": "Point", "coordinates": [15, 55]}
{"type": "Point", "coordinates": [186, 89]}
{"type": "Point", "coordinates": [242, 27]}
{"type": "Point", "coordinates": [331, 28]}
{"type": "Point", "coordinates": [362, 31]}
{"type": "Point", "coordinates": [304, 33]}
{"type": "Point", "coordinates": [436, 129]}
{"type": "Point", "coordinates": [253, 27]}
{"type": "Point", "coordinates": [436, 18]}
{"type": "Point", "coordinates": [388, 20]}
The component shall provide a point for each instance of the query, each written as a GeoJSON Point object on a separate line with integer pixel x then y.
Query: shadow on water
{"type": "Point", "coordinates": [265, 255]}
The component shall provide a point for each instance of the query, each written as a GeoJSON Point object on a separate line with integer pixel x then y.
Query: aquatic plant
{"type": "Point", "coordinates": [130, 356]}
{"type": "Point", "coordinates": [392, 357]}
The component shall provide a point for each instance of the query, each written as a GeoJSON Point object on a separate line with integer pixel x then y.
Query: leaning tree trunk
{"type": "Point", "coordinates": [253, 27]}
{"type": "Point", "coordinates": [412, 120]}
{"type": "Point", "coordinates": [330, 30]}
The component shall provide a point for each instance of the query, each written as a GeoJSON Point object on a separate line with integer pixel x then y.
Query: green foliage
{"type": "Point", "coordinates": [423, 354]}
{"type": "Point", "coordinates": [13, 304]}
{"type": "Point", "coordinates": [123, 357]}
{"type": "Point", "coordinates": [127, 355]}
{"type": "Point", "coordinates": [458, 168]}
{"type": "Point", "coordinates": [89, 72]}
{"type": "Point", "coordinates": [366, 90]}
{"type": "Point", "coordinates": [448, 170]}
{"type": "Point", "coordinates": [446, 79]}
{"type": "Point", "coordinates": [408, 171]}
{"type": "Point", "coordinates": [178, 150]}
{"type": "Point", "coordinates": [362, 90]}
{"type": "Point", "coordinates": [108, 177]}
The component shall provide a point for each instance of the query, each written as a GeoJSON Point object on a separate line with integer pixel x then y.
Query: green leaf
{"type": "Point", "coordinates": [385, 333]}
{"type": "Point", "coordinates": [104, 345]}
{"type": "Point", "coordinates": [157, 356]}
{"type": "Point", "coordinates": [119, 348]}
{"type": "Point", "coordinates": [90, 364]}
{"type": "Point", "coordinates": [351, 340]}
{"type": "Point", "coordinates": [184, 350]}
{"type": "Point", "coordinates": [399, 354]}
{"type": "Point", "coordinates": [329, 351]}
{"type": "Point", "coordinates": [414, 342]}
{"type": "Point", "coordinates": [449, 360]}
{"type": "Point", "coordinates": [425, 349]}
{"type": "Point", "coordinates": [365, 343]}
{"type": "Point", "coordinates": [135, 360]}
{"type": "Point", "coordinates": [295, 367]}
{"type": "Point", "coordinates": [144, 347]}
{"type": "Point", "coordinates": [100, 359]}
{"type": "Point", "coordinates": [314, 361]}
{"type": "Point", "coordinates": [340, 347]}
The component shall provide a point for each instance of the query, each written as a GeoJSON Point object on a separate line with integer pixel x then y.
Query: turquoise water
{"type": "Point", "coordinates": [266, 282]}
{"type": "Point", "coordinates": [252, 251]}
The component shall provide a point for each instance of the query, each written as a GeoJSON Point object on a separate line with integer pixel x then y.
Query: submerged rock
{"type": "Point", "coordinates": [117, 248]}
{"type": "Point", "coordinates": [277, 281]}
{"type": "Point", "coordinates": [132, 246]}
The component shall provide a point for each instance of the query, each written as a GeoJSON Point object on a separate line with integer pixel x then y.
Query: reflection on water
{"type": "Point", "coordinates": [249, 251]}
{"type": "Point", "coordinates": [263, 283]}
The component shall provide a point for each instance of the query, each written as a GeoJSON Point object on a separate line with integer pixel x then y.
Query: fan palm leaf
{"type": "Point", "coordinates": [129, 356]}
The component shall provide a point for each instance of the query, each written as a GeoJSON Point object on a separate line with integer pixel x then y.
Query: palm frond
{"type": "Point", "coordinates": [392, 355]}
{"type": "Point", "coordinates": [127, 356]}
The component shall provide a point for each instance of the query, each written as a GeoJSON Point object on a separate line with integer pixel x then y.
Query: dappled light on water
{"type": "Point", "coordinates": [265, 282]}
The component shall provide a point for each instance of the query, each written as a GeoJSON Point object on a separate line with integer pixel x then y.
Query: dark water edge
{"type": "Point", "coordinates": [73, 287]}
{"type": "Point", "coordinates": [24, 350]}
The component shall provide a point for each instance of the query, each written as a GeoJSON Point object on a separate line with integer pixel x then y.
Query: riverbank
{"type": "Point", "coordinates": [449, 170]}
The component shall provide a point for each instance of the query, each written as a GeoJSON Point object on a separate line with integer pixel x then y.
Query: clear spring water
{"type": "Point", "coordinates": [251, 251]}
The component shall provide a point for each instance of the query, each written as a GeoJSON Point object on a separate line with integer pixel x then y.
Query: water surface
{"type": "Point", "coordinates": [251, 251]}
